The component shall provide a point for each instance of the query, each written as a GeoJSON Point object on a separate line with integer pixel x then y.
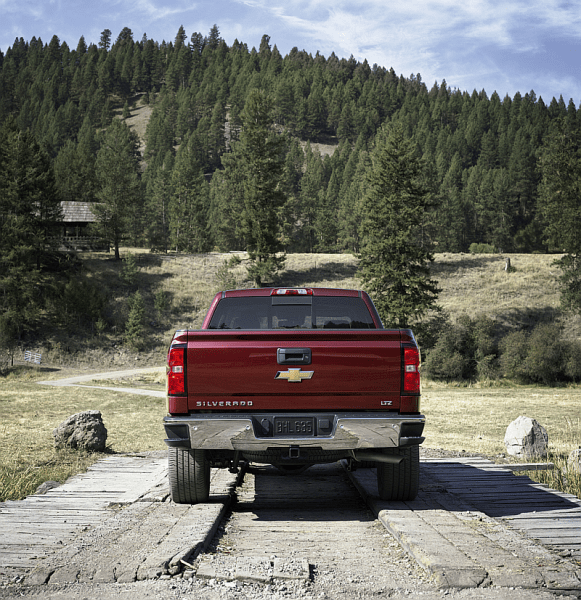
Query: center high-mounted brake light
{"type": "Point", "coordinates": [291, 292]}
{"type": "Point", "coordinates": [176, 371]}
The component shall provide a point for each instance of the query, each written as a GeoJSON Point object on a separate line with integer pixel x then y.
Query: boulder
{"type": "Point", "coordinates": [574, 461]}
{"type": "Point", "coordinates": [525, 438]}
{"type": "Point", "coordinates": [45, 487]}
{"type": "Point", "coordinates": [83, 431]}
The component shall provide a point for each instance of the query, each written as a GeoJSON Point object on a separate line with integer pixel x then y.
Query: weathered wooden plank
{"type": "Point", "coordinates": [573, 513]}
{"type": "Point", "coordinates": [487, 466]}
{"type": "Point", "coordinates": [35, 540]}
{"type": "Point", "coordinates": [32, 515]}
{"type": "Point", "coordinates": [551, 541]}
{"type": "Point", "coordinates": [550, 523]}
{"type": "Point", "coordinates": [505, 477]}
{"type": "Point", "coordinates": [553, 531]}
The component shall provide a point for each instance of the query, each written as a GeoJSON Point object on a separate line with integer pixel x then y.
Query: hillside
{"type": "Point", "coordinates": [471, 284]}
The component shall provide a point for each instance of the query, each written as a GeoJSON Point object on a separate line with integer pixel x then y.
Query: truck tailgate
{"type": "Point", "coordinates": [295, 370]}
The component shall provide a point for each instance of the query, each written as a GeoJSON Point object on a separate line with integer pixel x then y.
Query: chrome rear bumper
{"type": "Point", "coordinates": [346, 431]}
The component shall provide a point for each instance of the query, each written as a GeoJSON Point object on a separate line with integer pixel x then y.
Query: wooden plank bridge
{"type": "Point", "coordinates": [551, 517]}
{"type": "Point", "coordinates": [41, 535]}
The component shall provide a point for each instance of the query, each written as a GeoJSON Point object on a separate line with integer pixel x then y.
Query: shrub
{"type": "Point", "coordinates": [485, 347]}
{"type": "Point", "coordinates": [538, 357]}
{"type": "Point", "coordinates": [544, 357]}
{"type": "Point", "coordinates": [450, 357]}
{"type": "Point", "coordinates": [464, 350]}
{"type": "Point", "coordinates": [513, 353]}
{"type": "Point", "coordinates": [572, 360]}
{"type": "Point", "coordinates": [134, 325]}
{"type": "Point", "coordinates": [481, 249]}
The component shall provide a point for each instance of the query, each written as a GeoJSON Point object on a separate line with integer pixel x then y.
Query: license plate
{"type": "Point", "coordinates": [294, 427]}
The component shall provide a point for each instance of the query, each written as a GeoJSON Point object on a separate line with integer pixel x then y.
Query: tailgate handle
{"type": "Point", "coordinates": [293, 356]}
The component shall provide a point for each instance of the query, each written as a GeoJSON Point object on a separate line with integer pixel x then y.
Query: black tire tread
{"type": "Point", "coordinates": [400, 481]}
{"type": "Point", "coordinates": [189, 475]}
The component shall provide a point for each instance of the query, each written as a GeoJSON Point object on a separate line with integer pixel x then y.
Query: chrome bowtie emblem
{"type": "Point", "coordinates": [295, 375]}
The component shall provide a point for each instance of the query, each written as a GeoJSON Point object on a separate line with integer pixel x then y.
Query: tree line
{"type": "Point", "coordinates": [481, 153]}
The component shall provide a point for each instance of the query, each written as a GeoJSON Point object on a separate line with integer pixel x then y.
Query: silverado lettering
{"type": "Point", "coordinates": [223, 403]}
{"type": "Point", "coordinates": [293, 377]}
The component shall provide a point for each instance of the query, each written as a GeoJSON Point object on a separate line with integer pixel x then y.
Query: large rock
{"type": "Point", "coordinates": [526, 438]}
{"type": "Point", "coordinates": [83, 431]}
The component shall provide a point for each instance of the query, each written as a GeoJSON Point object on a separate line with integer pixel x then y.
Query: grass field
{"type": "Point", "coordinates": [470, 418]}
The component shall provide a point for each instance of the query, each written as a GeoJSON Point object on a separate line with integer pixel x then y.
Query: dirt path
{"type": "Point", "coordinates": [84, 379]}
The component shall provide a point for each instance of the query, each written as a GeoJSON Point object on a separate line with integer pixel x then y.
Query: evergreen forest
{"type": "Point", "coordinates": [480, 153]}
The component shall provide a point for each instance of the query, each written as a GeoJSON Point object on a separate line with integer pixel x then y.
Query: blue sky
{"type": "Point", "coordinates": [496, 45]}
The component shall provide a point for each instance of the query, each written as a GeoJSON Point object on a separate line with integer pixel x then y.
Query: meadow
{"type": "Point", "coordinates": [470, 418]}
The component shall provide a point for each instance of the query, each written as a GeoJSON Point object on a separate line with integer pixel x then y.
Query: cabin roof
{"type": "Point", "coordinates": [78, 212]}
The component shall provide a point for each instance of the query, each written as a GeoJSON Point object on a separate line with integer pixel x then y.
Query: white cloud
{"type": "Point", "coordinates": [477, 43]}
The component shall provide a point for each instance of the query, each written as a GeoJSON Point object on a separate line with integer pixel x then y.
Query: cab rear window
{"type": "Point", "coordinates": [314, 312]}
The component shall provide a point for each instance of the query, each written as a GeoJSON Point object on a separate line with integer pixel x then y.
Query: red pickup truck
{"type": "Point", "coordinates": [293, 377]}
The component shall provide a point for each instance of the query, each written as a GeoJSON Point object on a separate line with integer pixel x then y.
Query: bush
{"type": "Point", "coordinates": [544, 357]}
{"type": "Point", "coordinates": [513, 353]}
{"type": "Point", "coordinates": [539, 357]}
{"type": "Point", "coordinates": [572, 360]}
{"type": "Point", "coordinates": [481, 249]}
{"type": "Point", "coordinates": [450, 357]}
{"type": "Point", "coordinates": [464, 350]}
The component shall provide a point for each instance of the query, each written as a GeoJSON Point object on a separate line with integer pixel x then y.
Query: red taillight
{"type": "Point", "coordinates": [176, 371]}
{"type": "Point", "coordinates": [411, 370]}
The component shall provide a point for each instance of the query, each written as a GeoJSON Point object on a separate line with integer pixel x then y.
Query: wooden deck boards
{"type": "Point", "coordinates": [35, 527]}
{"type": "Point", "coordinates": [32, 529]}
{"type": "Point", "coordinates": [551, 517]}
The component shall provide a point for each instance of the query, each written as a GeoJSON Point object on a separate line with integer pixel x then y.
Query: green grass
{"type": "Point", "coordinates": [471, 418]}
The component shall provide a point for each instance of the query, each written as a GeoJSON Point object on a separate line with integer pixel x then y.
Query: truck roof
{"type": "Point", "coordinates": [291, 291]}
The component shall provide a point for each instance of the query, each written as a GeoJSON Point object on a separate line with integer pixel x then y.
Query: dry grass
{"type": "Point", "coordinates": [475, 419]}
{"type": "Point", "coordinates": [29, 412]}
{"type": "Point", "coordinates": [478, 283]}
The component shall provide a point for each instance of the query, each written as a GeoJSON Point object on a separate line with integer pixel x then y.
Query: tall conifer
{"type": "Point", "coordinates": [119, 186]}
{"type": "Point", "coordinates": [258, 157]}
{"type": "Point", "coordinates": [394, 265]}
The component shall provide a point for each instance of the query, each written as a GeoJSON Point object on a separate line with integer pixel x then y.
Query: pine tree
{"type": "Point", "coordinates": [119, 186]}
{"type": "Point", "coordinates": [394, 265]}
{"type": "Point", "coordinates": [105, 41]}
{"type": "Point", "coordinates": [258, 157]}
{"type": "Point", "coordinates": [560, 209]}
{"type": "Point", "coordinates": [159, 193]}
{"type": "Point", "coordinates": [134, 325]}
{"type": "Point", "coordinates": [188, 206]}
{"type": "Point", "coordinates": [29, 213]}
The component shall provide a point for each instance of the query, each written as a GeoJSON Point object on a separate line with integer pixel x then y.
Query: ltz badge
{"type": "Point", "coordinates": [294, 375]}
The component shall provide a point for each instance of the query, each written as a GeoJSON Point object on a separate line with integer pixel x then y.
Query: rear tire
{"type": "Point", "coordinates": [189, 475]}
{"type": "Point", "coordinates": [400, 481]}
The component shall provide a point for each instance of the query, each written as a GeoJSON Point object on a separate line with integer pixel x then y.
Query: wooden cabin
{"type": "Point", "coordinates": [77, 216]}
